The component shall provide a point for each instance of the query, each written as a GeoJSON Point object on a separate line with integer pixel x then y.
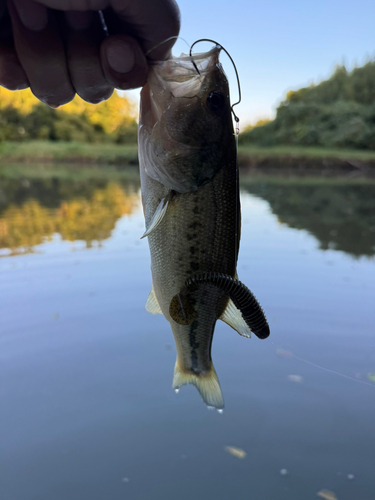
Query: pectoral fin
{"type": "Point", "coordinates": [158, 216]}
{"type": "Point", "coordinates": [181, 310]}
{"type": "Point", "coordinates": [233, 317]}
{"type": "Point", "coordinates": [152, 304]}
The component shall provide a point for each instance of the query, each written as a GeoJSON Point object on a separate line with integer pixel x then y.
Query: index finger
{"type": "Point", "coordinates": [152, 22]}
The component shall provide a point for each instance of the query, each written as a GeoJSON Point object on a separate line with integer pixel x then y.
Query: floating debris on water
{"type": "Point", "coordinates": [236, 452]}
{"type": "Point", "coordinates": [284, 472]}
{"type": "Point", "coordinates": [350, 477]}
{"type": "Point", "coordinates": [295, 378]}
{"type": "Point", "coordinates": [327, 495]}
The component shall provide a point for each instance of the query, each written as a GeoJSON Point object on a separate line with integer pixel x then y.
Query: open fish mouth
{"type": "Point", "coordinates": [179, 77]}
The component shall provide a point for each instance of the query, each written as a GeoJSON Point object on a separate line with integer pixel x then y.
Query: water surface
{"type": "Point", "coordinates": [87, 409]}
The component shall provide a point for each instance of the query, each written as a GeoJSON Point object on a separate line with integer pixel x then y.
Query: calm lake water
{"type": "Point", "coordinates": [87, 410]}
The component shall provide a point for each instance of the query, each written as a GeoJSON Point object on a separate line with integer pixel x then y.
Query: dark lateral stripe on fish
{"type": "Point", "coordinates": [241, 296]}
{"type": "Point", "coordinates": [194, 346]}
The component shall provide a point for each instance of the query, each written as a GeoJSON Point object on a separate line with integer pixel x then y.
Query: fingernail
{"type": "Point", "coordinates": [32, 15]}
{"type": "Point", "coordinates": [52, 104]}
{"type": "Point", "coordinates": [120, 56]}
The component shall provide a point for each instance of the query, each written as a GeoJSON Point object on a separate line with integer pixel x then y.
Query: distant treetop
{"type": "Point", "coordinates": [357, 85]}
{"type": "Point", "coordinates": [338, 112]}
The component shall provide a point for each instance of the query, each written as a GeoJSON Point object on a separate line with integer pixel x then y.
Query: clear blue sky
{"type": "Point", "coordinates": [280, 45]}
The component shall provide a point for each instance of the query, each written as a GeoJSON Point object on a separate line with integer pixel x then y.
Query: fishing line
{"type": "Point", "coordinates": [235, 69]}
{"type": "Point", "coordinates": [363, 382]}
{"type": "Point", "coordinates": [103, 23]}
{"type": "Point", "coordinates": [236, 119]}
{"type": "Point", "coordinates": [176, 37]}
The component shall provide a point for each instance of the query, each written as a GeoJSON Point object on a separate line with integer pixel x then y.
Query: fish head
{"type": "Point", "coordinates": [186, 129]}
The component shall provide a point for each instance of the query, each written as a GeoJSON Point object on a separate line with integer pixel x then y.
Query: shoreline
{"type": "Point", "coordinates": [252, 160]}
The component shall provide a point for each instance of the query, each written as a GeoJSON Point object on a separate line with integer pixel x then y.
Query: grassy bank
{"type": "Point", "coordinates": [67, 171]}
{"type": "Point", "coordinates": [305, 152]}
{"type": "Point", "coordinates": [275, 159]}
{"type": "Point", "coordinates": [68, 152]}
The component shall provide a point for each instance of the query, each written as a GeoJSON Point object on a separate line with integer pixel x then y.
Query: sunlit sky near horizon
{"type": "Point", "coordinates": [279, 45]}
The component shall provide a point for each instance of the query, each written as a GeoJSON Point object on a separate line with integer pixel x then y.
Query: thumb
{"type": "Point", "coordinates": [123, 62]}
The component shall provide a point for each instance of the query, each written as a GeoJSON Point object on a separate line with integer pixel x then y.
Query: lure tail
{"type": "Point", "coordinates": [207, 384]}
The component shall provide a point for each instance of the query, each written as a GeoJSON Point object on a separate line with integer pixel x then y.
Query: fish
{"type": "Point", "coordinates": [190, 196]}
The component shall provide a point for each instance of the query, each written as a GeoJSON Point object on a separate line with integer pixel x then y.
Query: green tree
{"type": "Point", "coordinates": [338, 112]}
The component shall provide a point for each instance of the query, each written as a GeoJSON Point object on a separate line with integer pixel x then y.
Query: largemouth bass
{"type": "Point", "coordinates": [190, 196]}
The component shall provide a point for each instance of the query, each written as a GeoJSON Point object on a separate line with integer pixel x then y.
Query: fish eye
{"type": "Point", "coordinates": [216, 100]}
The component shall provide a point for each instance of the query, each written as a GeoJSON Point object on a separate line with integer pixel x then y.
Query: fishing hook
{"type": "Point", "coordinates": [234, 66]}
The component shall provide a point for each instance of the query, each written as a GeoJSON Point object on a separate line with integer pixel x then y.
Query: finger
{"type": "Point", "coordinates": [83, 37]}
{"type": "Point", "coordinates": [151, 23]}
{"type": "Point", "coordinates": [42, 56]}
{"type": "Point", "coordinates": [123, 61]}
{"type": "Point", "coordinates": [32, 14]}
{"type": "Point", "coordinates": [12, 76]}
{"type": "Point", "coordinates": [77, 5]}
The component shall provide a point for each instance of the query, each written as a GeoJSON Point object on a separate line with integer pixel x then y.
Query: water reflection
{"type": "Point", "coordinates": [93, 369]}
{"type": "Point", "coordinates": [340, 215]}
{"type": "Point", "coordinates": [90, 216]}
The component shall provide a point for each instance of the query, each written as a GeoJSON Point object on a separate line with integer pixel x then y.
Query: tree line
{"type": "Point", "coordinates": [338, 112]}
{"type": "Point", "coordinates": [23, 117]}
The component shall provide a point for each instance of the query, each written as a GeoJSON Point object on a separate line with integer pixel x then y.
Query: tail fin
{"type": "Point", "coordinates": [207, 384]}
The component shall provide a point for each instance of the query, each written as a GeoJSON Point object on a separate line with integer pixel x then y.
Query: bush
{"type": "Point", "coordinates": [23, 117]}
{"type": "Point", "coordinates": [339, 112]}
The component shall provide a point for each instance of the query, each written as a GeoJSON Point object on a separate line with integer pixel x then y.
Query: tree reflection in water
{"type": "Point", "coordinates": [340, 214]}
{"type": "Point", "coordinates": [90, 217]}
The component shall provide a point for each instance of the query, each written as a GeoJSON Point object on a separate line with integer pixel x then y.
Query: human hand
{"type": "Point", "coordinates": [58, 47]}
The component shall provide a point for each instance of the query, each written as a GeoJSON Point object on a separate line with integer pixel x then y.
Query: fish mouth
{"type": "Point", "coordinates": [180, 71]}
{"type": "Point", "coordinates": [178, 77]}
